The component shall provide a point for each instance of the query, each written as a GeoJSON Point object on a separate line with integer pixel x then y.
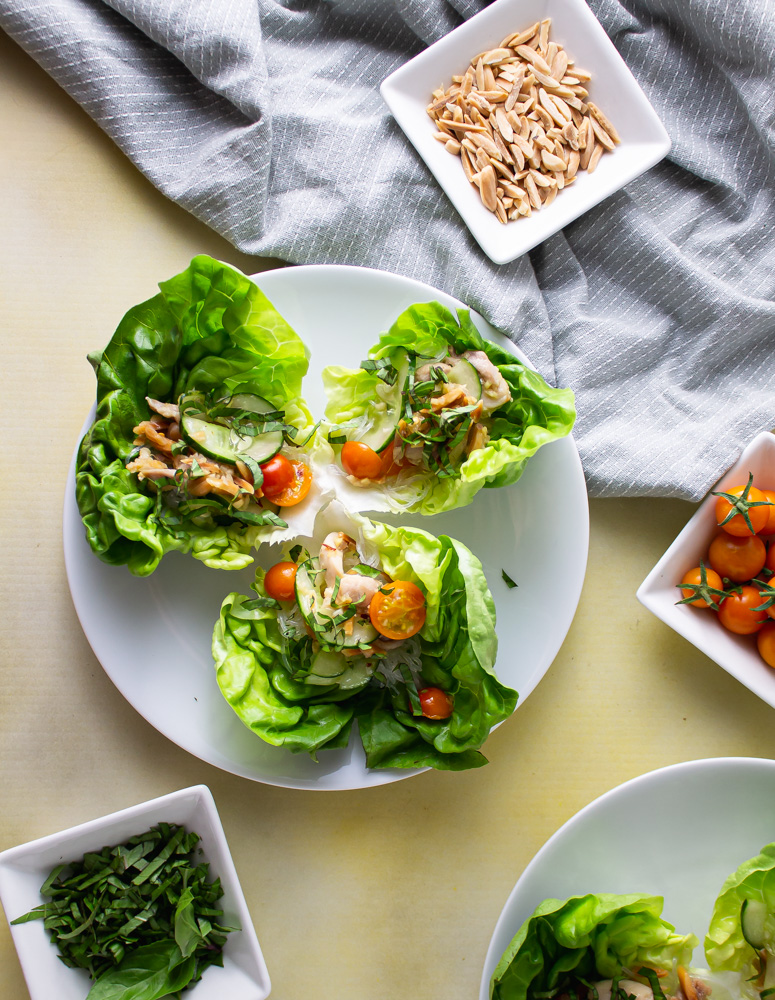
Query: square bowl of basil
{"type": "Point", "coordinates": [145, 900]}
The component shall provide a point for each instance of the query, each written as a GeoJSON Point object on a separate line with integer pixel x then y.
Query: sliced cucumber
{"type": "Point", "coordinates": [382, 429]}
{"type": "Point", "coordinates": [346, 672]}
{"type": "Point", "coordinates": [222, 441]}
{"type": "Point", "coordinates": [753, 916]}
{"type": "Point", "coordinates": [310, 602]}
{"type": "Point", "coordinates": [463, 373]}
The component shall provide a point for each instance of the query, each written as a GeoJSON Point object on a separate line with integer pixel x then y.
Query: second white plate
{"type": "Point", "coordinates": [676, 832]}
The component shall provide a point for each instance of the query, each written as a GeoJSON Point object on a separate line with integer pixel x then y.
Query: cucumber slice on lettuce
{"type": "Point", "coordinates": [210, 329]}
{"type": "Point", "coordinates": [587, 938]}
{"type": "Point", "coordinates": [262, 674]}
{"type": "Point", "coordinates": [741, 934]}
{"type": "Point", "coordinates": [536, 415]}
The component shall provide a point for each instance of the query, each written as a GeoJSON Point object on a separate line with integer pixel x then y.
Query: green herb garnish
{"type": "Point", "coordinates": [139, 915]}
{"type": "Point", "coordinates": [508, 581]}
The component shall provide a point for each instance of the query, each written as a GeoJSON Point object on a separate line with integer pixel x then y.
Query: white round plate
{"type": "Point", "coordinates": [152, 635]}
{"type": "Point", "coordinates": [677, 832]}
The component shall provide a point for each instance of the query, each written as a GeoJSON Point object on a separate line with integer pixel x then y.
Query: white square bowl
{"type": "Point", "coordinates": [24, 869]}
{"type": "Point", "coordinates": [737, 654]}
{"type": "Point", "coordinates": [644, 141]}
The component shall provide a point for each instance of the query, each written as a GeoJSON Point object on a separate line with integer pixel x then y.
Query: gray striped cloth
{"type": "Point", "coordinates": [263, 118]}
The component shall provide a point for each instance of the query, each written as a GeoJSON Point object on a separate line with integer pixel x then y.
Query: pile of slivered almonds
{"type": "Point", "coordinates": [519, 122]}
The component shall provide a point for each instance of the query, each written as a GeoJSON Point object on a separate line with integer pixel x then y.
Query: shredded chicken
{"type": "Point", "coordinates": [495, 387]}
{"type": "Point", "coordinates": [423, 373]}
{"type": "Point", "coordinates": [332, 551]}
{"type": "Point", "coordinates": [170, 411]}
{"type": "Point", "coordinates": [145, 466]}
{"type": "Point", "coordinates": [357, 589]}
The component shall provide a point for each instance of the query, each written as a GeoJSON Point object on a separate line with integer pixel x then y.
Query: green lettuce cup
{"type": "Point", "coordinates": [567, 947]}
{"type": "Point", "coordinates": [198, 395]}
{"type": "Point", "coordinates": [435, 414]}
{"type": "Point", "coordinates": [741, 933]}
{"type": "Point", "coordinates": [349, 640]}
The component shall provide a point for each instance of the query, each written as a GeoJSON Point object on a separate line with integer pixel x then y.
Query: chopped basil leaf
{"type": "Point", "coordinates": [508, 581]}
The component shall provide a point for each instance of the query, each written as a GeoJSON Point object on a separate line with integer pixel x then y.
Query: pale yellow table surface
{"type": "Point", "coordinates": [389, 893]}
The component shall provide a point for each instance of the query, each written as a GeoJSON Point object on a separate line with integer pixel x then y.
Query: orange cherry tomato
{"type": "Point", "coordinates": [769, 527]}
{"type": "Point", "coordinates": [694, 577]}
{"type": "Point", "coordinates": [389, 465]}
{"type": "Point", "coordinates": [435, 703]}
{"type": "Point", "coordinates": [397, 610]}
{"type": "Point", "coordinates": [298, 489]}
{"type": "Point", "coordinates": [278, 475]}
{"type": "Point", "coordinates": [736, 525]}
{"type": "Point", "coordinates": [770, 560]}
{"type": "Point", "coordinates": [361, 461]}
{"type": "Point", "coordinates": [736, 612]}
{"type": "Point", "coordinates": [280, 581]}
{"type": "Point", "coordinates": [737, 557]}
{"type": "Point", "coordinates": [765, 641]}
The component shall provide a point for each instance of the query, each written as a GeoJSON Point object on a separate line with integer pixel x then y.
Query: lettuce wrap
{"type": "Point", "coordinates": [566, 945]}
{"type": "Point", "coordinates": [448, 412]}
{"type": "Point", "coordinates": [283, 668]}
{"type": "Point", "coordinates": [741, 934]}
{"type": "Point", "coordinates": [209, 336]}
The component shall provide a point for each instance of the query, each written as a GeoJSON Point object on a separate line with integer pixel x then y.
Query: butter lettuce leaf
{"type": "Point", "coordinates": [209, 328]}
{"type": "Point", "coordinates": [536, 415]}
{"type": "Point", "coordinates": [589, 938]}
{"type": "Point", "coordinates": [752, 885]}
{"type": "Point", "coordinates": [261, 673]}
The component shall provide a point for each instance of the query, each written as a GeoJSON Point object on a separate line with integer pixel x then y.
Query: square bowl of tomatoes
{"type": "Point", "coordinates": [715, 585]}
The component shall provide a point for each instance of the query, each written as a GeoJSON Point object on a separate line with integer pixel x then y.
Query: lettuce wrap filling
{"type": "Point", "coordinates": [384, 623]}
{"type": "Point", "coordinates": [442, 412]}
{"type": "Point", "coordinates": [199, 388]}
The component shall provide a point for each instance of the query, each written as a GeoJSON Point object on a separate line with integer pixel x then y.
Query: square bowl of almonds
{"type": "Point", "coordinates": [527, 116]}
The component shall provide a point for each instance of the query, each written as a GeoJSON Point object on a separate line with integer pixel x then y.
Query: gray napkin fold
{"type": "Point", "coordinates": [657, 307]}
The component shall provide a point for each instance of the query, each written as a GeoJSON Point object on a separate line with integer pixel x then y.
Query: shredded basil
{"type": "Point", "coordinates": [508, 581]}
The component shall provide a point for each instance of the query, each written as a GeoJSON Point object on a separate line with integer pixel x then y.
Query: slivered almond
{"type": "Point", "coordinates": [605, 123]}
{"type": "Point", "coordinates": [495, 56]}
{"type": "Point", "coordinates": [485, 143]}
{"type": "Point", "coordinates": [552, 161]}
{"type": "Point", "coordinates": [520, 37]}
{"type": "Point", "coordinates": [573, 164]}
{"type": "Point", "coordinates": [602, 136]}
{"type": "Point", "coordinates": [487, 188]}
{"type": "Point", "coordinates": [452, 146]}
{"type": "Point", "coordinates": [532, 192]}
{"type": "Point", "coordinates": [586, 153]}
{"type": "Point", "coordinates": [594, 158]}
{"type": "Point", "coordinates": [504, 125]}
{"type": "Point", "coordinates": [531, 56]}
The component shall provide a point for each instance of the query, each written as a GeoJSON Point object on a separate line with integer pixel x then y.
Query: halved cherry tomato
{"type": "Point", "coordinates": [389, 465]}
{"type": "Point", "coordinates": [298, 489]}
{"type": "Point", "coordinates": [695, 581]}
{"type": "Point", "coordinates": [278, 475]}
{"type": "Point", "coordinates": [435, 703]}
{"type": "Point", "coordinates": [765, 641]}
{"type": "Point", "coordinates": [736, 612]}
{"type": "Point", "coordinates": [361, 461]}
{"type": "Point", "coordinates": [769, 527]}
{"type": "Point", "coordinates": [280, 581]}
{"type": "Point", "coordinates": [397, 610]}
{"type": "Point", "coordinates": [736, 557]}
{"type": "Point", "coordinates": [758, 511]}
